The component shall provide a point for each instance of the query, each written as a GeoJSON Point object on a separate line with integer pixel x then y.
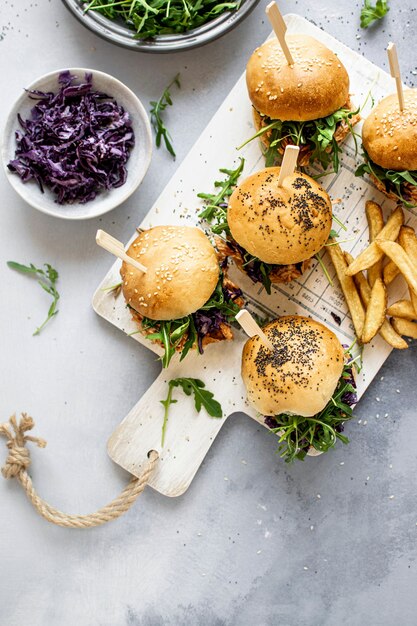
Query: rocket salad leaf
{"type": "Point", "coordinates": [370, 13]}
{"type": "Point", "coordinates": [202, 398]}
{"type": "Point", "coordinates": [297, 433]}
{"type": "Point", "coordinates": [392, 180]}
{"type": "Point", "coordinates": [47, 281]}
{"type": "Point", "coordinates": [161, 131]}
{"type": "Point", "coordinates": [318, 135]}
{"type": "Point", "coordinates": [149, 18]}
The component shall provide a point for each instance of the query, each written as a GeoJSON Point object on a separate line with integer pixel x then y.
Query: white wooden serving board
{"type": "Point", "coordinates": [189, 435]}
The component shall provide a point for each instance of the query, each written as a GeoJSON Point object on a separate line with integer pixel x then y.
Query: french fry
{"type": "Point", "coordinates": [390, 272]}
{"type": "Point", "coordinates": [408, 236]}
{"type": "Point", "coordinates": [408, 240]}
{"type": "Point", "coordinates": [348, 286]}
{"type": "Point", "coordinates": [403, 309]}
{"type": "Point", "coordinates": [405, 327]}
{"type": "Point", "coordinates": [401, 259]}
{"type": "Point", "coordinates": [376, 224]}
{"type": "Point", "coordinates": [387, 332]}
{"type": "Point", "coordinates": [375, 312]}
{"type": "Point", "coordinates": [372, 254]}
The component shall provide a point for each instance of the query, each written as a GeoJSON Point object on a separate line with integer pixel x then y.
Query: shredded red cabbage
{"type": "Point", "coordinates": [208, 321]}
{"type": "Point", "coordinates": [76, 143]}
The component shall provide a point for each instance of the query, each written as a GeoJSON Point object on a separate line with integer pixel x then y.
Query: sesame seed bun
{"type": "Point", "coordinates": [389, 135]}
{"type": "Point", "coordinates": [183, 271]}
{"type": "Point", "coordinates": [314, 87]}
{"type": "Point", "coordinates": [300, 376]}
{"type": "Point", "coordinates": [280, 225]}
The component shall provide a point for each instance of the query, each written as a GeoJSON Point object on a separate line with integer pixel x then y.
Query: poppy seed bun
{"type": "Point", "coordinates": [315, 86]}
{"type": "Point", "coordinates": [300, 376]}
{"type": "Point", "coordinates": [280, 225]}
{"type": "Point", "coordinates": [389, 135]}
{"type": "Point", "coordinates": [183, 271]}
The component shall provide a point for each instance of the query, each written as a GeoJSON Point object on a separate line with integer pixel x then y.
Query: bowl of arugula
{"type": "Point", "coordinates": [160, 25]}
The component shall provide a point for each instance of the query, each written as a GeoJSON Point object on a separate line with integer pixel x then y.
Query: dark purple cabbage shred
{"type": "Point", "coordinates": [206, 322]}
{"type": "Point", "coordinates": [76, 143]}
{"type": "Point", "coordinates": [351, 397]}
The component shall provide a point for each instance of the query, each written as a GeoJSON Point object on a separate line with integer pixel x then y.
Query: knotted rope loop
{"type": "Point", "coordinates": [18, 462]}
{"type": "Point", "coordinates": [18, 459]}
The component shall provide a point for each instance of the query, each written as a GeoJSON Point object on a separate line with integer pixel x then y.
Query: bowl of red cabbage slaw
{"type": "Point", "coordinates": [77, 143]}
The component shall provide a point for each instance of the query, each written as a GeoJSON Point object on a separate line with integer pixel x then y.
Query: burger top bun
{"type": "Point", "coordinates": [302, 372]}
{"type": "Point", "coordinates": [389, 135]}
{"type": "Point", "coordinates": [315, 86]}
{"type": "Point", "coordinates": [183, 271]}
{"type": "Point", "coordinates": [280, 225]}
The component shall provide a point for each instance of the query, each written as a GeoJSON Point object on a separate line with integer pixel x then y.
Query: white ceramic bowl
{"type": "Point", "coordinates": [137, 164]}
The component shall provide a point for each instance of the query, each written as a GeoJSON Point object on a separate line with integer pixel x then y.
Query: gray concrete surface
{"type": "Point", "coordinates": [253, 542]}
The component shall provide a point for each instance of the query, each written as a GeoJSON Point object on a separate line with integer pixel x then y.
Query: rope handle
{"type": "Point", "coordinates": [18, 462]}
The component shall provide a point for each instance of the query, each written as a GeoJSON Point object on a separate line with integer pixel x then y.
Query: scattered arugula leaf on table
{"type": "Point", "coordinates": [48, 279]}
{"type": "Point", "coordinates": [158, 107]}
{"type": "Point", "coordinates": [202, 398]}
{"type": "Point", "coordinates": [370, 13]}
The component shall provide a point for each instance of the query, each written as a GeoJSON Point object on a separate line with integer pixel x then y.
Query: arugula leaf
{"type": "Point", "coordinates": [157, 107]}
{"type": "Point", "coordinates": [370, 14]}
{"type": "Point", "coordinates": [114, 289]}
{"type": "Point", "coordinates": [171, 333]}
{"type": "Point", "coordinates": [215, 213]}
{"type": "Point", "coordinates": [297, 433]}
{"type": "Point", "coordinates": [392, 180]}
{"type": "Point", "coordinates": [47, 281]}
{"type": "Point", "coordinates": [318, 135]}
{"type": "Point", "coordinates": [323, 268]}
{"type": "Point", "coordinates": [149, 18]}
{"type": "Point", "coordinates": [216, 207]}
{"type": "Point", "coordinates": [166, 404]}
{"type": "Point", "coordinates": [202, 398]}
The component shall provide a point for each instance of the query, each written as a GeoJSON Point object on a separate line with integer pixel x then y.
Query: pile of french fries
{"type": "Point", "coordinates": [392, 251]}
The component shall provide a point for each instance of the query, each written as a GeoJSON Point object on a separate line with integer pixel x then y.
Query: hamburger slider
{"type": "Point", "coordinates": [389, 139]}
{"type": "Point", "coordinates": [184, 300]}
{"type": "Point", "coordinates": [272, 229]}
{"type": "Point", "coordinates": [306, 103]}
{"type": "Point", "coordinates": [303, 388]}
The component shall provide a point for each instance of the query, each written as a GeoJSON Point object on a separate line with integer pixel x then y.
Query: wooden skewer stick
{"type": "Point", "coordinates": [394, 67]}
{"type": "Point", "coordinates": [115, 247]}
{"type": "Point", "coordinates": [280, 28]}
{"type": "Point", "coordinates": [252, 328]}
{"type": "Point", "coordinates": [288, 163]}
